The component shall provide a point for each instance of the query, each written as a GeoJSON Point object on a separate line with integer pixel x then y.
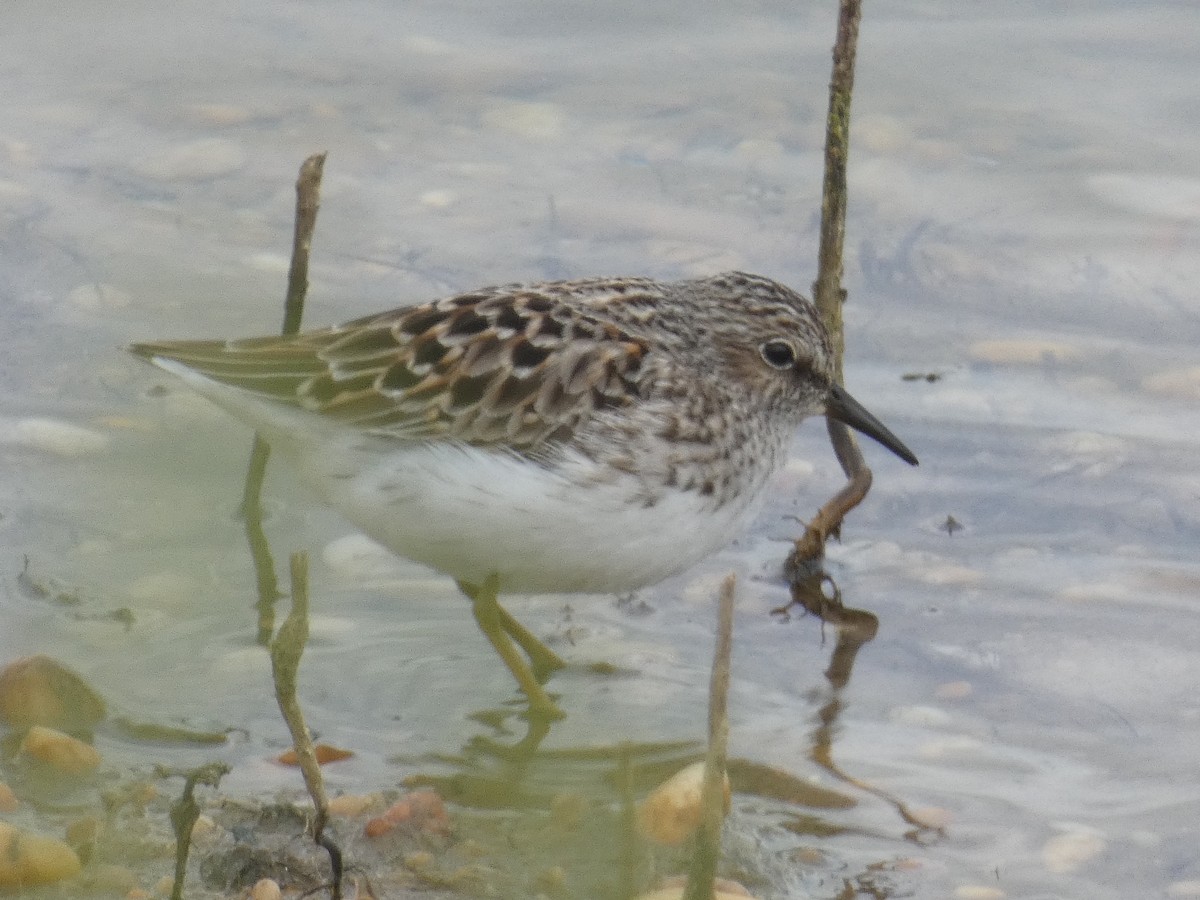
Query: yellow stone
{"type": "Point", "coordinates": [29, 859]}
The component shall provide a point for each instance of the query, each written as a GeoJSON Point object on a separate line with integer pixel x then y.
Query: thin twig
{"type": "Point", "coordinates": [286, 650]}
{"type": "Point", "coordinates": [308, 202]}
{"type": "Point", "coordinates": [703, 871]}
{"type": "Point", "coordinates": [828, 293]}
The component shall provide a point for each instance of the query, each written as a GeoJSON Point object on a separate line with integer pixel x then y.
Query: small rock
{"type": "Point", "coordinates": [98, 296]}
{"type": "Point", "coordinates": [437, 199]}
{"type": "Point", "coordinates": [266, 889]}
{"type": "Point", "coordinates": [1190, 888]}
{"type": "Point", "coordinates": [1067, 853]}
{"type": "Point", "coordinates": [953, 690]}
{"type": "Point", "coordinates": [349, 805]}
{"type": "Point", "coordinates": [29, 859]}
{"type": "Point", "coordinates": [1181, 384]}
{"type": "Point", "coordinates": [422, 809]}
{"type": "Point", "coordinates": [378, 827]}
{"type": "Point", "coordinates": [551, 881]}
{"type": "Point", "coordinates": [196, 161]}
{"type": "Point", "coordinates": [325, 753]}
{"type": "Point", "coordinates": [418, 860]}
{"type": "Point", "coordinates": [1023, 351]}
{"type": "Point", "coordinates": [673, 810]}
{"type": "Point", "coordinates": [61, 751]}
{"type": "Point", "coordinates": [8, 800]}
{"type": "Point", "coordinates": [82, 835]}
{"type": "Point", "coordinates": [978, 892]}
{"type": "Point", "coordinates": [205, 830]}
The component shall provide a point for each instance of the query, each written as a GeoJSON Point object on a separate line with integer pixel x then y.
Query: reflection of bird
{"type": "Point", "coordinates": [576, 436]}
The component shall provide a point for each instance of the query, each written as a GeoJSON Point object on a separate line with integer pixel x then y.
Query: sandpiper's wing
{"type": "Point", "coordinates": [518, 365]}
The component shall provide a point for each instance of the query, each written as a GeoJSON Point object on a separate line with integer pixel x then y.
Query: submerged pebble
{"type": "Point", "coordinates": [1068, 852]}
{"type": "Point", "coordinates": [978, 892]}
{"type": "Point", "coordinates": [196, 161]}
{"type": "Point", "coordinates": [1023, 351]}
{"type": "Point", "coordinates": [673, 810]}
{"type": "Point", "coordinates": [98, 296]}
{"type": "Point", "coordinates": [350, 805]}
{"type": "Point", "coordinates": [52, 436]}
{"type": "Point", "coordinates": [68, 755]}
{"type": "Point", "coordinates": [1180, 384]}
{"type": "Point", "coordinates": [37, 690]}
{"type": "Point", "coordinates": [28, 859]}
{"type": "Point", "coordinates": [8, 800]}
{"type": "Point", "coordinates": [266, 889]}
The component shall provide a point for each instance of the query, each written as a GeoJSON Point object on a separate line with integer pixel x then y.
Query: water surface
{"type": "Point", "coordinates": [1023, 227]}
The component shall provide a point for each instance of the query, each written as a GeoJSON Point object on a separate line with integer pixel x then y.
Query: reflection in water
{"type": "Point", "coordinates": [816, 593]}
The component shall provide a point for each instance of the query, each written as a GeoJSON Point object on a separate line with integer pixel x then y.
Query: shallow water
{"type": "Point", "coordinates": [1023, 226]}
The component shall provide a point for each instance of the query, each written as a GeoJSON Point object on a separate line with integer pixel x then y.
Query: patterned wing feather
{"type": "Point", "coordinates": [515, 365]}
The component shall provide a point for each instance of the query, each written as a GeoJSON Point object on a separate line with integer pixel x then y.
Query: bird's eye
{"type": "Point", "coordinates": [778, 354]}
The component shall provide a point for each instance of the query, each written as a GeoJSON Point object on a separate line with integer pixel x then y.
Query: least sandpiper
{"type": "Point", "coordinates": [591, 436]}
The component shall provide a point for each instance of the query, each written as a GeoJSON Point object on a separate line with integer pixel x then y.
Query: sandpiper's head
{"type": "Point", "coordinates": [783, 349]}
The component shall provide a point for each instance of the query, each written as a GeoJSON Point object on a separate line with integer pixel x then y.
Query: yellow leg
{"type": "Point", "coordinates": [543, 659]}
{"type": "Point", "coordinates": [494, 622]}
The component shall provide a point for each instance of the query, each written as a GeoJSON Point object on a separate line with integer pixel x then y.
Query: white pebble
{"type": "Point", "coordinates": [266, 889]}
{"type": "Point", "coordinates": [949, 575]}
{"type": "Point", "coordinates": [52, 436]}
{"type": "Point", "coordinates": [885, 135]}
{"type": "Point", "coordinates": [956, 747]}
{"type": "Point", "coordinates": [920, 716]}
{"type": "Point", "coordinates": [1181, 384]}
{"type": "Point", "coordinates": [529, 120]}
{"type": "Point", "coordinates": [437, 199]}
{"type": "Point", "coordinates": [1066, 853]}
{"type": "Point", "coordinates": [1190, 888]}
{"type": "Point", "coordinates": [97, 296]}
{"type": "Point", "coordinates": [222, 114]}
{"type": "Point", "coordinates": [978, 892]}
{"type": "Point", "coordinates": [197, 160]}
{"type": "Point", "coordinates": [1023, 351]}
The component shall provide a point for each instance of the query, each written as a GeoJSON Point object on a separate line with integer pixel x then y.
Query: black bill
{"type": "Point", "coordinates": [841, 406]}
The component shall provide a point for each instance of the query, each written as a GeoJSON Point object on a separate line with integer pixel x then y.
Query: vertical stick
{"type": "Point", "coordinates": [308, 202]}
{"type": "Point", "coordinates": [703, 871]}
{"type": "Point", "coordinates": [828, 293]}
{"type": "Point", "coordinates": [286, 650]}
{"type": "Point", "coordinates": [827, 289]}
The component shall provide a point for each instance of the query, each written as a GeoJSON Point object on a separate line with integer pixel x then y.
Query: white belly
{"type": "Point", "coordinates": [471, 512]}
